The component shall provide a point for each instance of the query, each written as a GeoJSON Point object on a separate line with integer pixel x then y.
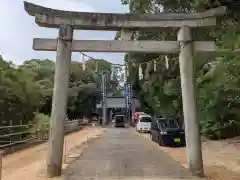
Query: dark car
{"type": "Point", "coordinates": [119, 120]}
{"type": "Point", "coordinates": [167, 132]}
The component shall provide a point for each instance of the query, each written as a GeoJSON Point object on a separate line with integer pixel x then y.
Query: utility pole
{"type": "Point", "coordinates": [190, 110]}
{"type": "Point", "coordinates": [126, 36]}
{"type": "Point", "coordinates": [104, 103]}
{"type": "Point", "coordinates": [60, 94]}
{"type": "Point", "coordinates": [130, 103]}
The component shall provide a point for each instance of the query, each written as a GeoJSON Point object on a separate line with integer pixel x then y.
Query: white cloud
{"type": "Point", "coordinates": [68, 5]}
{"type": "Point", "coordinates": [19, 28]}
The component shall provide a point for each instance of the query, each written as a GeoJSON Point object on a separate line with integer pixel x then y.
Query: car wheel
{"type": "Point", "coordinates": [160, 141]}
{"type": "Point", "coordinates": [152, 137]}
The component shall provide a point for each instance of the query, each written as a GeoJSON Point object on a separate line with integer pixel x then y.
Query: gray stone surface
{"type": "Point", "coordinates": [121, 154]}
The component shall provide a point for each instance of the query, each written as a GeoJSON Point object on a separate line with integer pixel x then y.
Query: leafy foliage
{"type": "Point", "coordinates": [26, 90]}
{"type": "Point", "coordinates": [217, 77]}
{"type": "Point", "coordinates": [41, 126]}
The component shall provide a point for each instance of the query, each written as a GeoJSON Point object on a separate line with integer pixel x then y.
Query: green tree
{"type": "Point", "coordinates": [26, 91]}
{"type": "Point", "coordinates": [217, 77]}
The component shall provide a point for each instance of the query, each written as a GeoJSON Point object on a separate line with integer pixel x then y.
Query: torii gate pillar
{"type": "Point", "coordinates": [60, 95]}
{"type": "Point", "coordinates": [190, 110]}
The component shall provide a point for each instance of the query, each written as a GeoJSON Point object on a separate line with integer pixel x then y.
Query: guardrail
{"type": "Point", "coordinates": [25, 135]}
{"type": "Point", "coordinates": [38, 136]}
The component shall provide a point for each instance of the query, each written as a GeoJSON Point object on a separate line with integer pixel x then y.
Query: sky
{"type": "Point", "coordinates": [18, 29]}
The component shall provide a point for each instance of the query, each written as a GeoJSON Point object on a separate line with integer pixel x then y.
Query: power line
{"type": "Point", "coordinates": [90, 57]}
{"type": "Point", "coordinates": [145, 62]}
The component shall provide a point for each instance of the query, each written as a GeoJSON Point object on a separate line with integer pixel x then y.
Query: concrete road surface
{"type": "Point", "coordinates": [122, 154]}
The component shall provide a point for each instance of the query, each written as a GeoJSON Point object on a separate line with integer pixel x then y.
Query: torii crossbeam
{"type": "Point", "coordinates": [52, 18]}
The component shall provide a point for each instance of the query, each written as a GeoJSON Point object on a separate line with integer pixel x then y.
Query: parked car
{"type": "Point", "coordinates": [167, 132]}
{"type": "Point", "coordinates": [119, 120]}
{"type": "Point", "coordinates": [144, 123]}
{"type": "Point", "coordinates": [135, 118]}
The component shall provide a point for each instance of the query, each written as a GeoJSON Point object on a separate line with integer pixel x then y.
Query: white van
{"type": "Point", "coordinates": [144, 123]}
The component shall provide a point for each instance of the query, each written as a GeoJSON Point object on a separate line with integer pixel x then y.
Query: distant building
{"type": "Point", "coordinates": [117, 104]}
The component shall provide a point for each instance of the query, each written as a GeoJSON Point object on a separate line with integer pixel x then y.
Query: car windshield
{"type": "Point", "coordinates": [146, 119]}
{"type": "Point", "coordinates": [119, 118]}
{"type": "Point", "coordinates": [139, 113]}
{"type": "Point", "coordinates": [168, 123]}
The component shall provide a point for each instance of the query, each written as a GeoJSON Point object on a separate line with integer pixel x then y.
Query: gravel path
{"type": "Point", "coordinates": [121, 154]}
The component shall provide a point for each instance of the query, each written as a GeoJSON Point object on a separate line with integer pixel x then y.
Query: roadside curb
{"type": "Point", "coordinates": [144, 135]}
{"type": "Point", "coordinates": [78, 150]}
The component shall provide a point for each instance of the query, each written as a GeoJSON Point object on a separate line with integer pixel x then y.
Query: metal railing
{"type": "Point", "coordinates": [25, 135]}
{"type": "Point", "coordinates": [69, 126]}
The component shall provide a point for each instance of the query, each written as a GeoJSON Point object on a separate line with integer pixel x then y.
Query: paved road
{"type": "Point", "coordinates": [122, 154]}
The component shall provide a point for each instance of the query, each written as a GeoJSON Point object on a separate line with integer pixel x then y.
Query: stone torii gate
{"type": "Point", "coordinates": [67, 21]}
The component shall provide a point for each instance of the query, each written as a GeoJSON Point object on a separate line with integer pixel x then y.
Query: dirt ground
{"type": "Point", "coordinates": [221, 158]}
{"type": "Point", "coordinates": [29, 164]}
